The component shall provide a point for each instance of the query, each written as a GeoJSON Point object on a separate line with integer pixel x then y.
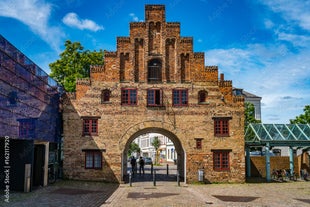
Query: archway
{"type": "Point", "coordinates": [180, 163]}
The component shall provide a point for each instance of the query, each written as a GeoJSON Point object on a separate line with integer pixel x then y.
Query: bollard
{"type": "Point", "coordinates": [167, 169]}
{"type": "Point", "coordinates": [130, 183]}
{"type": "Point", "coordinates": [154, 178]}
{"type": "Point", "coordinates": [152, 169]}
{"type": "Point", "coordinates": [178, 178]}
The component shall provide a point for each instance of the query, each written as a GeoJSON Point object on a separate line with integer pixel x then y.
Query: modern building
{"type": "Point", "coordinates": [30, 121]}
{"type": "Point", "coordinates": [154, 83]}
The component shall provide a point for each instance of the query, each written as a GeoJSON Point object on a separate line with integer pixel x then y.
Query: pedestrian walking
{"type": "Point", "coordinates": [141, 165]}
{"type": "Point", "coordinates": [133, 163]}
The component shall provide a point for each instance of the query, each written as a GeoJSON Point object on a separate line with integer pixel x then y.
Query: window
{"type": "Point", "coordinates": [154, 97]}
{"type": "Point", "coordinates": [90, 127]}
{"type": "Point", "coordinates": [154, 71]}
{"type": "Point", "coordinates": [198, 143]}
{"type": "Point", "coordinates": [202, 96]}
{"type": "Point", "coordinates": [12, 98]}
{"type": "Point", "coordinates": [93, 159]}
{"type": "Point", "coordinates": [221, 160]}
{"type": "Point", "coordinates": [27, 128]}
{"type": "Point", "coordinates": [238, 92]}
{"type": "Point", "coordinates": [129, 96]}
{"type": "Point", "coordinates": [221, 127]}
{"type": "Point", "coordinates": [105, 96]}
{"type": "Point", "coordinates": [180, 97]}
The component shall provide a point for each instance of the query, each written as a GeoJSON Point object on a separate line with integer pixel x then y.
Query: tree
{"type": "Point", "coordinates": [249, 114]}
{"type": "Point", "coordinates": [302, 118]}
{"type": "Point", "coordinates": [74, 63]}
{"type": "Point", "coordinates": [249, 117]}
{"type": "Point", "coordinates": [133, 147]}
{"type": "Point", "coordinates": [156, 144]}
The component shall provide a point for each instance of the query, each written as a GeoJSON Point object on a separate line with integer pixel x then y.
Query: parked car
{"type": "Point", "coordinates": [148, 161]}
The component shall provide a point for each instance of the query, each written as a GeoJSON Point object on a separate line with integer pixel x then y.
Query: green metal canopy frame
{"type": "Point", "coordinates": [292, 135]}
{"type": "Point", "coordinates": [269, 135]}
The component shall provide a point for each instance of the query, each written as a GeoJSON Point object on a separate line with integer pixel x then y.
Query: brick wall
{"type": "Point", "coordinates": [258, 165]}
{"type": "Point", "coordinates": [118, 125]}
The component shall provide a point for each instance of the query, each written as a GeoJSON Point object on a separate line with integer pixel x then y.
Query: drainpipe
{"type": "Point", "coordinates": [45, 178]}
{"type": "Point", "coordinates": [248, 162]}
{"type": "Point", "coordinates": [291, 160]}
{"type": "Point", "coordinates": [268, 178]}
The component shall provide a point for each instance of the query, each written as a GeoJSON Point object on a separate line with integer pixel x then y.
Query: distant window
{"type": "Point", "coordinates": [154, 71]}
{"type": "Point", "coordinates": [27, 128]}
{"type": "Point", "coordinates": [202, 96]}
{"type": "Point", "coordinates": [93, 159]}
{"type": "Point", "coordinates": [90, 127]}
{"type": "Point", "coordinates": [198, 143]}
{"type": "Point", "coordinates": [221, 127]}
{"type": "Point", "coordinates": [180, 97]}
{"type": "Point", "coordinates": [12, 98]}
{"type": "Point", "coordinates": [238, 92]}
{"type": "Point", "coordinates": [154, 97]}
{"type": "Point", "coordinates": [129, 96]}
{"type": "Point", "coordinates": [105, 96]}
{"type": "Point", "coordinates": [221, 160]}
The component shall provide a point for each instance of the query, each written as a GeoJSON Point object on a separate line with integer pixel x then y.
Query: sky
{"type": "Point", "coordinates": [263, 46]}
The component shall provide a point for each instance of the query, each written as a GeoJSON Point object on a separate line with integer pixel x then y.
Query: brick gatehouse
{"type": "Point", "coordinates": [154, 82]}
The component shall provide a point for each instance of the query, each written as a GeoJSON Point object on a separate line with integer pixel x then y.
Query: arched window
{"type": "Point", "coordinates": [105, 96]}
{"type": "Point", "coordinates": [202, 96]}
{"type": "Point", "coordinates": [154, 71]}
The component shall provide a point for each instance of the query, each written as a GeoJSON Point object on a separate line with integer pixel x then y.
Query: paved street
{"type": "Point", "coordinates": [169, 194]}
{"type": "Point", "coordinates": [165, 193]}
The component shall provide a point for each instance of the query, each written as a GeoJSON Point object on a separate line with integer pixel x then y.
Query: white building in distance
{"type": "Point", "coordinates": [166, 149]}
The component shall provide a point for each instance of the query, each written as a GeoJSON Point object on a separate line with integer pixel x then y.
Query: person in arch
{"type": "Point", "coordinates": [133, 163]}
{"type": "Point", "coordinates": [141, 165]}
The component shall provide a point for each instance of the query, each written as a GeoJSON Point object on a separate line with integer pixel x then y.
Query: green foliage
{"type": "Point", "coordinates": [249, 115]}
{"type": "Point", "coordinates": [156, 144]}
{"type": "Point", "coordinates": [302, 118]}
{"type": "Point", "coordinates": [74, 63]}
{"type": "Point", "coordinates": [133, 147]}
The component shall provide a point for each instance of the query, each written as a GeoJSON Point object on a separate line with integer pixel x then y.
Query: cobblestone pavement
{"type": "Point", "coordinates": [164, 194]}
{"type": "Point", "coordinates": [63, 194]}
{"type": "Point", "coordinates": [248, 194]}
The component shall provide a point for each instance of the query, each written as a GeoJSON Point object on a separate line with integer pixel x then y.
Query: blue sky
{"type": "Point", "coordinates": [263, 45]}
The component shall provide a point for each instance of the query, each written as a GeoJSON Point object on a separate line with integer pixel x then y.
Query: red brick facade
{"type": "Point", "coordinates": [155, 57]}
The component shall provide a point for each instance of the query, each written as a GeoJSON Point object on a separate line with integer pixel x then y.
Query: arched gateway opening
{"type": "Point", "coordinates": [180, 162]}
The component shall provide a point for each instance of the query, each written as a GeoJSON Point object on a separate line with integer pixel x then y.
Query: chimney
{"type": "Point", "coordinates": [222, 77]}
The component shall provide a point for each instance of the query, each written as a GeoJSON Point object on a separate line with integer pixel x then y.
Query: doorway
{"type": "Point", "coordinates": [38, 165]}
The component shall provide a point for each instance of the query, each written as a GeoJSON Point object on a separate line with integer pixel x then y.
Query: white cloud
{"type": "Point", "coordinates": [274, 70]}
{"type": "Point", "coordinates": [35, 14]}
{"type": "Point", "coordinates": [269, 71]}
{"type": "Point", "coordinates": [292, 11]}
{"type": "Point", "coordinates": [73, 20]}
{"type": "Point", "coordinates": [295, 39]}
{"type": "Point", "coordinates": [134, 17]}
{"type": "Point", "coordinates": [268, 24]}
{"type": "Point", "coordinates": [296, 25]}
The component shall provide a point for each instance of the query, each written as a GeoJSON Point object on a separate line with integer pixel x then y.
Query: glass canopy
{"type": "Point", "coordinates": [277, 134]}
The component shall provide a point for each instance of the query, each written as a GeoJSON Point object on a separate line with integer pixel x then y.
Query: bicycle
{"type": "Point", "coordinates": [51, 174]}
{"type": "Point", "coordinates": [290, 176]}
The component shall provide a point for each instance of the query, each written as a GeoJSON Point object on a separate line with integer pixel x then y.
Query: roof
{"type": "Point", "coordinates": [259, 134]}
{"type": "Point", "coordinates": [249, 95]}
{"type": "Point", "coordinates": [246, 94]}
